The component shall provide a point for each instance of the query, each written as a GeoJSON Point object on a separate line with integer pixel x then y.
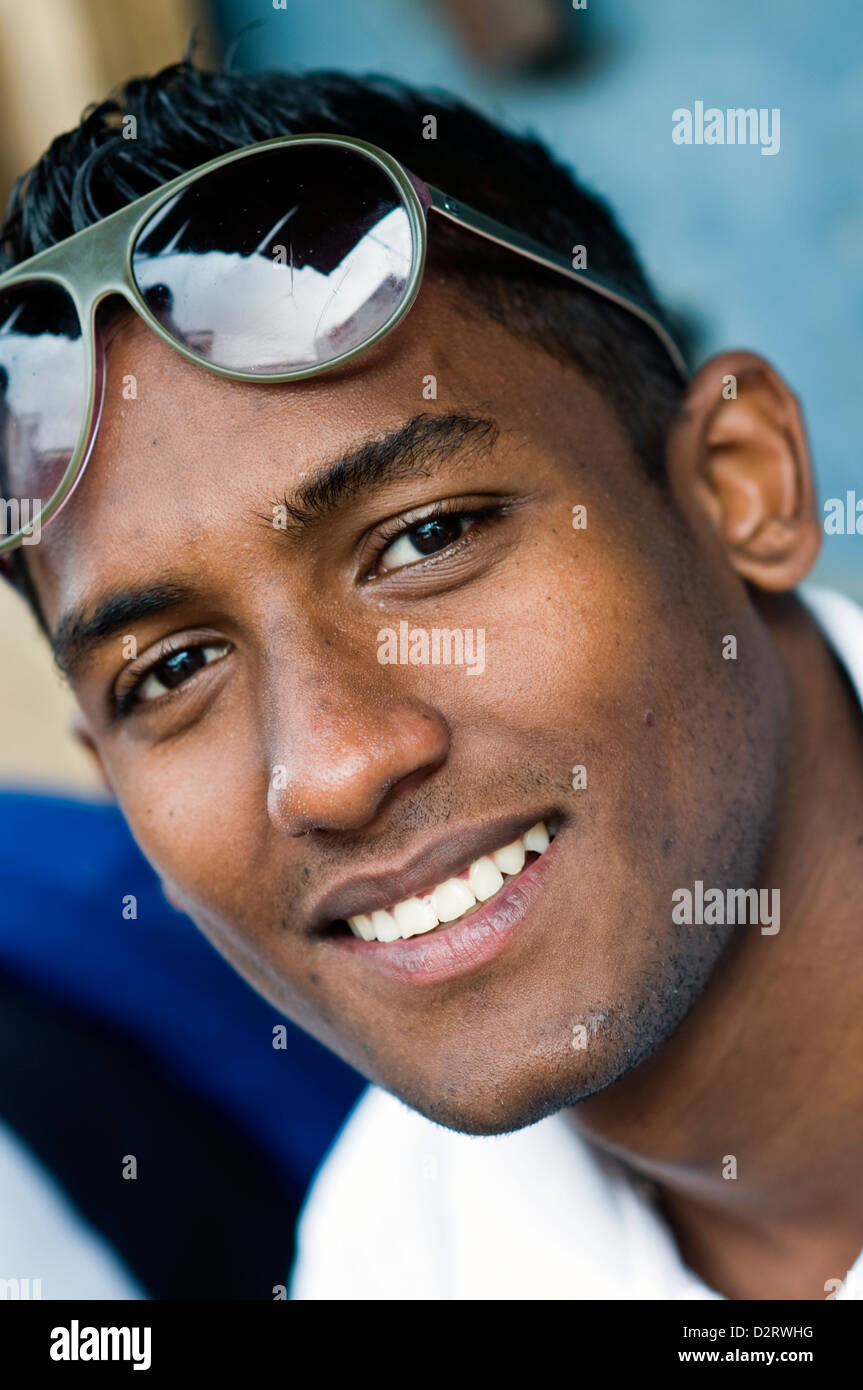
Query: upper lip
{"type": "Point", "coordinates": [438, 859]}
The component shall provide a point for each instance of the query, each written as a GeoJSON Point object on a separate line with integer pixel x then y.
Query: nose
{"type": "Point", "coordinates": [348, 751]}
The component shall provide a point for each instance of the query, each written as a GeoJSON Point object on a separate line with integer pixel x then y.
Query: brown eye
{"type": "Point", "coordinates": [425, 538]}
{"type": "Point", "coordinates": [177, 668]}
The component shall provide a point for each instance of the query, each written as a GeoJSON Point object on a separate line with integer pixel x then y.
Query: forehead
{"type": "Point", "coordinates": [184, 456]}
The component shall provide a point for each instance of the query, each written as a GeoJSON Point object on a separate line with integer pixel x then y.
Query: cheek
{"type": "Point", "coordinates": [577, 642]}
{"type": "Point", "coordinates": [202, 824]}
{"type": "Point", "coordinates": [595, 663]}
{"type": "Point", "coordinates": [196, 812]}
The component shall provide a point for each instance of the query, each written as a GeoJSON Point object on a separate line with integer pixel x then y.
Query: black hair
{"type": "Point", "coordinates": [184, 116]}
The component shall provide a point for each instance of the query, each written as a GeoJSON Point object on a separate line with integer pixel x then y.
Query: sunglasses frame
{"type": "Point", "coordinates": [96, 263]}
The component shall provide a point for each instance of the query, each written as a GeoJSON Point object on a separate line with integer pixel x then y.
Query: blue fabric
{"type": "Point", "coordinates": [65, 868]}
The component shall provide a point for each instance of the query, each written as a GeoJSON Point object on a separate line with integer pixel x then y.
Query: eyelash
{"type": "Point", "coordinates": [125, 703]}
{"type": "Point", "coordinates": [492, 511]}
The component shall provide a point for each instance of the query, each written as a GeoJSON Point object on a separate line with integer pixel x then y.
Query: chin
{"type": "Point", "coordinates": [501, 1105]}
{"type": "Point", "coordinates": [507, 1095]}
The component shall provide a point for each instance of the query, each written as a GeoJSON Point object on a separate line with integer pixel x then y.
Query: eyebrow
{"type": "Point", "coordinates": [406, 452]}
{"type": "Point", "coordinates": [77, 635]}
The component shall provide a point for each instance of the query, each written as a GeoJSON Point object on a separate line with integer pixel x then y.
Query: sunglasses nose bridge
{"type": "Point", "coordinates": [101, 266]}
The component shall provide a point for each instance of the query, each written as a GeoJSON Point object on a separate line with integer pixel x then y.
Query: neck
{"type": "Point", "coordinates": [749, 1119]}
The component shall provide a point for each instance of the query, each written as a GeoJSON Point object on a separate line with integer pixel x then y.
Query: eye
{"type": "Point", "coordinates": [425, 538]}
{"type": "Point", "coordinates": [173, 668]}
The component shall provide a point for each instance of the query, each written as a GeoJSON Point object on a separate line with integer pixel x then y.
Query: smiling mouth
{"type": "Point", "coordinates": [453, 898]}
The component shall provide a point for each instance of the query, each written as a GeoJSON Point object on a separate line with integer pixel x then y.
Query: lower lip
{"type": "Point", "coordinates": [460, 947]}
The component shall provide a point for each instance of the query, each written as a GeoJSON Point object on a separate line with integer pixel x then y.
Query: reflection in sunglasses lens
{"type": "Point", "coordinates": [278, 261]}
{"type": "Point", "coordinates": [43, 398]}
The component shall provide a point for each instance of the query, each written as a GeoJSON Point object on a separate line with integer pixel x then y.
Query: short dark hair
{"type": "Point", "coordinates": [185, 116]}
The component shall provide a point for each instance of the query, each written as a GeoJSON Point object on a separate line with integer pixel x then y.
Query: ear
{"type": "Point", "coordinates": [738, 458]}
{"type": "Point", "coordinates": [81, 732]}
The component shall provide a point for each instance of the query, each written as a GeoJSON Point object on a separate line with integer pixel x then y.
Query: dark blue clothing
{"type": "Point", "coordinates": [65, 869]}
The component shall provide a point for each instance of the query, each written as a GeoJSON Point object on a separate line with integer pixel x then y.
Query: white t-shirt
{"type": "Point", "coordinates": [47, 1249]}
{"type": "Point", "coordinates": [404, 1209]}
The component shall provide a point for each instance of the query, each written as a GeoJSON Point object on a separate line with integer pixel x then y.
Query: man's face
{"type": "Point", "coordinates": [280, 775]}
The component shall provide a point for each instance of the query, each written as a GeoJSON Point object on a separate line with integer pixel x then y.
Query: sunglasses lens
{"type": "Point", "coordinates": [43, 398]}
{"type": "Point", "coordinates": [280, 261]}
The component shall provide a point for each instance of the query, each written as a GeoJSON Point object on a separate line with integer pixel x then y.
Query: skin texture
{"type": "Point", "coordinates": [604, 648]}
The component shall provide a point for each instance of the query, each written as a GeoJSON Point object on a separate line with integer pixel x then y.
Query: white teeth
{"type": "Point", "coordinates": [453, 898]}
{"type": "Point", "coordinates": [484, 878]}
{"type": "Point", "coordinates": [537, 839]}
{"type": "Point", "coordinates": [362, 926]}
{"type": "Point", "coordinates": [510, 859]}
{"type": "Point", "coordinates": [414, 916]}
{"type": "Point", "coordinates": [384, 926]}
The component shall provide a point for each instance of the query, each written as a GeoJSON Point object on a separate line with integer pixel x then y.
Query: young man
{"type": "Point", "coordinates": [455, 684]}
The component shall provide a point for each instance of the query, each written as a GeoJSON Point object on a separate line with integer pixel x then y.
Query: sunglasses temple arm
{"type": "Point", "coordinates": [473, 221]}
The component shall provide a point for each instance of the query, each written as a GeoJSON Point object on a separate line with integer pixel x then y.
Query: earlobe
{"type": "Point", "coordinates": [738, 455]}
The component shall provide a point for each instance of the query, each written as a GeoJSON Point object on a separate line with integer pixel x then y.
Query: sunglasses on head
{"type": "Point", "coordinates": [271, 263]}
